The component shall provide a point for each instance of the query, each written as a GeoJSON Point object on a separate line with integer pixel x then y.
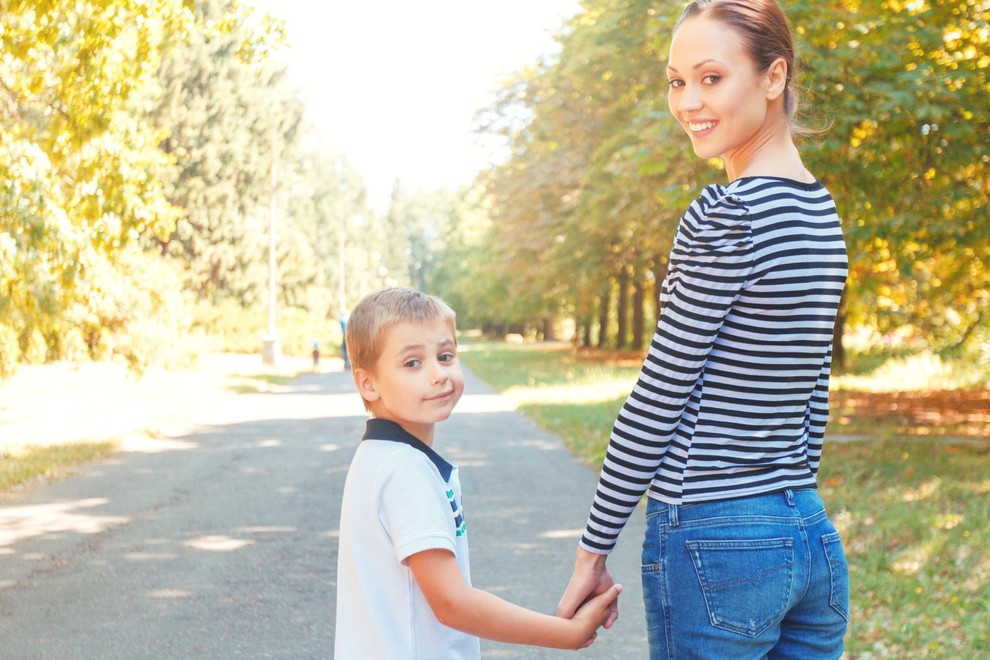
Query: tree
{"type": "Point", "coordinates": [227, 113]}
{"type": "Point", "coordinates": [904, 88]}
{"type": "Point", "coordinates": [330, 228]}
{"type": "Point", "coordinates": [79, 162]}
{"type": "Point", "coordinates": [599, 172]}
{"type": "Point", "coordinates": [585, 197]}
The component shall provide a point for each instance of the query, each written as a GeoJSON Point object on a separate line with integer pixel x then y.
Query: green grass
{"type": "Point", "coordinates": [914, 511]}
{"type": "Point", "coordinates": [914, 516]}
{"type": "Point", "coordinates": [23, 464]}
{"type": "Point", "coordinates": [577, 397]}
{"type": "Point", "coordinates": [259, 383]}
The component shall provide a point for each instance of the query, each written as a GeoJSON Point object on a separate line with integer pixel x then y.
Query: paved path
{"type": "Point", "coordinates": [220, 541]}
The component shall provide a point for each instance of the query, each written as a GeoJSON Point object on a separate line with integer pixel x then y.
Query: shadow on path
{"type": "Point", "coordinates": [221, 541]}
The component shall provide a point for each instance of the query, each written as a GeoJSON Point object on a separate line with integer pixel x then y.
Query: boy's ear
{"type": "Point", "coordinates": [365, 384]}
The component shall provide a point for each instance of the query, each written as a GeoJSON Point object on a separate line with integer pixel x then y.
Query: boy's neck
{"type": "Point", "coordinates": [422, 432]}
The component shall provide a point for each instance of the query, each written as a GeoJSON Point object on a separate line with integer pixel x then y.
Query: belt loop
{"type": "Point", "coordinates": [672, 515]}
{"type": "Point", "coordinates": [789, 494]}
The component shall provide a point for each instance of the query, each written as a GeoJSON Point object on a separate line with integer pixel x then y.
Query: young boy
{"type": "Point", "coordinates": [403, 575]}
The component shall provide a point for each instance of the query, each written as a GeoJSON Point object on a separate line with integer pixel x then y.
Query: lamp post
{"type": "Point", "coordinates": [341, 271]}
{"type": "Point", "coordinates": [270, 351]}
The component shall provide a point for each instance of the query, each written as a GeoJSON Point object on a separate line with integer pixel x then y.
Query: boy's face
{"type": "Point", "coordinates": [417, 380]}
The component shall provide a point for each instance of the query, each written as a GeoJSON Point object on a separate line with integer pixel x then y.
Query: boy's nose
{"type": "Point", "coordinates": [440, 375]}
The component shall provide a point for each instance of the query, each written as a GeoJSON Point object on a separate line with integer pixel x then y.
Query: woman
{"type": "Point", "coordinates": [723, 430]}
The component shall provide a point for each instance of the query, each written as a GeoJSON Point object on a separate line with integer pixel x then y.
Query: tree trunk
{"type": "Point", "coordinates": [549, 334]}
{"type": "Point", "coordinates": [639, 315]}
{"type": "Point", "coordinates": [838, 350]}
{"type": "Point", "coordinates": [658, 277]}
{"type": "Point", "coordinates": [603, 316]}
{"type": "Point", "coordinates": [622, 310]}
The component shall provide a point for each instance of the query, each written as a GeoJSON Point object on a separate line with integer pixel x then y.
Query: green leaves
{"type": "Point", "coordinates": [83, 175]}
{"type": "Point", "coordinates": [904, 88]}
{"type": "Point", "coordinates": [599, 172]}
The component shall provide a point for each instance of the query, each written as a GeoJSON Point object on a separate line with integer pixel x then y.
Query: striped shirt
{"type": "Point", "coordinates": [732, 398]}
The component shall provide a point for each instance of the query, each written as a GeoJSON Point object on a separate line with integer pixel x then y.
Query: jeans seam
{"type": "Point", "coordinates": [664, 591]}
{"type": "Point", "coordinates": [730, 520]}
{"type": "Point", "coordinates": [826, 540]}
{"type": "Point", "coordinates": [807, 553]}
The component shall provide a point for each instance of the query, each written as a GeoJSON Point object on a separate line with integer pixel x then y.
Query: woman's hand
{"type": "Point", "coordinates": [589, 579]}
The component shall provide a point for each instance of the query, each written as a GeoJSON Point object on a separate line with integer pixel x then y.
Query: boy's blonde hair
{"type": "Point", "coordinates": [371, 319]}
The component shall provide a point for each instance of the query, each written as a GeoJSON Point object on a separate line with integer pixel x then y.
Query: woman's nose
{"type": "Point", "coordinates": [689, 99]}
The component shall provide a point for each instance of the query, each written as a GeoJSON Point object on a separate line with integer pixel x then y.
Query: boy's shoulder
{"type": "Point", "coordinates": [384, 438]}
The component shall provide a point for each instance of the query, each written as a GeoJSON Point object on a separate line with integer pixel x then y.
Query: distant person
{"type": "Point", "coordinates": [723, 430]}
{"type": "Point", "coordinates": [316, 355]}
{"type": "Point", "coordinates": [343, 339]}
{"type": "Point", "coordinates": [403, 573]}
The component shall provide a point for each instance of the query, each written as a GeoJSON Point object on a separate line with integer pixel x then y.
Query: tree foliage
{"type": "Point", "coordinates": [137, 139]}
{"type": "Point", "coordinates": [904, 88]}
{"type": "Point", "coordinates": [585, 205]}
{"type": "Point", "coordinates": [136, 161]}
{"type": "Point", "coordinates": [226, 116]}
{"type": "Point", "coordinates": [79, 162]}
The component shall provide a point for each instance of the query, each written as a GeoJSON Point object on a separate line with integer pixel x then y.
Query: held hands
{"type": "Point", "coordinates": [597, 612]}
{"type": "Point", "coordinates": [589, 579]}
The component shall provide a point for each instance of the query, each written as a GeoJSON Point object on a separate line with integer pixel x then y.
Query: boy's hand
{"type": "Point", "coordinates": [597, 611]}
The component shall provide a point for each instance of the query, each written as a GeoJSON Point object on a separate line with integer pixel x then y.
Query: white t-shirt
{"type": "Point", "coordinates": [400, 498]}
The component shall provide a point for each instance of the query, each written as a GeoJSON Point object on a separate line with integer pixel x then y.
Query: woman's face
{"type": "Point", "coordinates": [716, 93]}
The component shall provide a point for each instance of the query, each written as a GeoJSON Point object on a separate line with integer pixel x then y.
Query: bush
{"type": "Point", "coordinates": [238, 329]}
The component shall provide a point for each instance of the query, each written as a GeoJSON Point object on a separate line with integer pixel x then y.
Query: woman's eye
{"type": "Point", "coordinates": [710, 79]}
{"type": "Point", "coordinates": [676, 83]}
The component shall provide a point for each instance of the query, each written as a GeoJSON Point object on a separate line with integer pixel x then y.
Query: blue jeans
{"type": "Point", "coordinates": [753, 577]}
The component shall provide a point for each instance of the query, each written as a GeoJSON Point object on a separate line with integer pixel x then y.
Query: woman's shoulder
{"type": "Point", "coordinates": [760, 188]}
{"type": "Point", "coordinates": [716, 220]}
{"type": "Point", "coordinates": [717, 203]}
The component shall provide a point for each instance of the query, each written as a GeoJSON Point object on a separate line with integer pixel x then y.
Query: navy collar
{"type": "Point", "coordinates": [386, 429]}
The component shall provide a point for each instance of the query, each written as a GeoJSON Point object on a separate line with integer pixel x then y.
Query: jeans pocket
{"type": "Point", "coordinates": [838, 571]}
{"type": "Point", "coordinates": [746, 583]}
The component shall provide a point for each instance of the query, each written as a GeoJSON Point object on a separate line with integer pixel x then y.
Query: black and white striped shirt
{"type": "Point", "coordinates": [732, 398]}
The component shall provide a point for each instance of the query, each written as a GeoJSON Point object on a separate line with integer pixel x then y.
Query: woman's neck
{"type": "Point", "coordinates": [771, 152]}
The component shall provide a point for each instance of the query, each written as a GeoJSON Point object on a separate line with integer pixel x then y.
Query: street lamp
{"type": "Point", "coordinates": [270, 351]}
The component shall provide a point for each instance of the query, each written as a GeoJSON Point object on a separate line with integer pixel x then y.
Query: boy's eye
{"type": "Point", "coordinates": [447, 357]}
{"type": "Point", "coordinates": [412, 364]}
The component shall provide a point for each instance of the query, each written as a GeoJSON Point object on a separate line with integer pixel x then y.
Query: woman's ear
{"type": "Point", "coordinates": [365, 383]}
{"type": "Point", "coordinates": [775, 79]}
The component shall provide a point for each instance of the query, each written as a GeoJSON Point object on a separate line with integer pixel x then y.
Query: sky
{"type": "Point", "coordinates": [395, 85]}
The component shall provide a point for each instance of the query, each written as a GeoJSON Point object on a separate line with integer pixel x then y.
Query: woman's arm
{"type": "Point", "coordinates": [477, 612]}
{"type": "Point", "coordinates": [710, 263]}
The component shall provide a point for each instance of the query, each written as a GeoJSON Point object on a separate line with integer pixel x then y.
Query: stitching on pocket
{"type": "Point", "coordinates": [746, 583]}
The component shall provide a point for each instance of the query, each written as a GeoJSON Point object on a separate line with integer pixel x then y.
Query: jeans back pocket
{"type": "Point", "coordinates": [746, 583]}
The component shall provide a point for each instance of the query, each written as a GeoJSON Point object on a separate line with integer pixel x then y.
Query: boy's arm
{"type": "Point", "coordinates": [477, 612]}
